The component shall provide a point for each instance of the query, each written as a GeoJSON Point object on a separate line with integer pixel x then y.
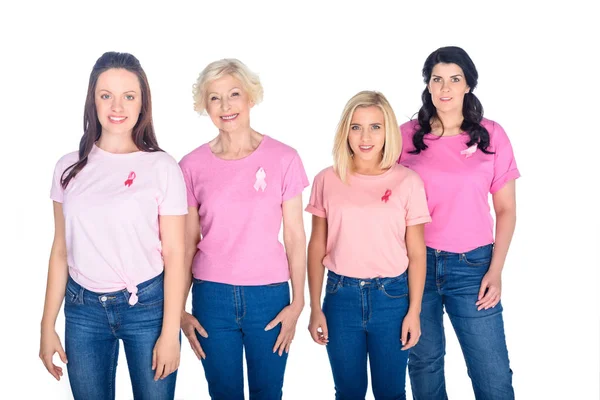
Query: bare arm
{"type": "Point", "coordinates": [166, 353]}
{"type": "Point", "coordinates": [317, 249]}
{"type": "Point", "coordinates": [58, 271]}
{"type": "Point", "coordinates": [172, 228]}
{"type": "Point", "coordinates": [294, 240]}
{"type": "Point", "coordinates": [417, 266]}
{"type": "Point", "coordinates": [505, 206]}
{"type": "Point", "coordinates": [189, 324]}
{"type": "Point", "coordinates": [192, 238]}
{"type": "Point", "coordinates": [417, 269]}
{"type": "Point", "coordinates": [55, 292]}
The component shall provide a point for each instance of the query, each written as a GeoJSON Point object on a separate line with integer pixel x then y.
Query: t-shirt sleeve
{"type": "Point", "coordinates": [173, 199]}
{"type": "Point", "coordinates": [56, 191]}
{"type": "Point", "coordinates": [417, 210]}
{"type": "Point", "coordinates": [316, 204]}
{"type": "Point", "coordinates": [505, 166]}
{"type": "Point", "coordinates": [294, 179]}
{"type": "Point", "coordinates": [407, 131]}
{"type": "Point", "coordinates": [189, 184]}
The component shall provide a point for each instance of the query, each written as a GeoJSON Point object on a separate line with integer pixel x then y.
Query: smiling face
{"type": "Point", "coordinates": [118, 99]}
{"type": "Point", "coordinates": [367, 135]}
{"type": "Point", "coordinates": [228, 104]}
{"type": "Point", "coordinates": [447, 87]}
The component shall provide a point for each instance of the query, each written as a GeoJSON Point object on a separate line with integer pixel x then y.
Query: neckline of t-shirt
{"type": "Point", "coordinates": [372, 177]}
{"type": "Point", "coordinates": [433, 136]}
{"type": "Point", "coordinates": [96, 149]}
{"type": "Point", "coordinates": [260, 145]}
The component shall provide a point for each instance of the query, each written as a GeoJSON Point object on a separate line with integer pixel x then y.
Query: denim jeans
{"type": "Point", "coordinates": [453, 282]}
{"type": "Point", "coordinates": [94, 323]}
{"type": "Point", "coordinates": [235, 318]}
{"type": "Point", "coordinates": [364, 317]}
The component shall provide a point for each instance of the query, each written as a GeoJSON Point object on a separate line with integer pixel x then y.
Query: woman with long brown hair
{"type": "Point", "coordinates": [119, 206]}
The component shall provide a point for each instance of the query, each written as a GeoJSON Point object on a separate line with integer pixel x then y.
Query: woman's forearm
{"type": "Point", "coordinates": [316, 272]}
{"type": "Point", "coordinates": [506, 221]}
{"type": "Point", "coordinates": [176, 283]}
{"type": "Point", "coordinates": [296, 253]}
{"type": "Point", "coordinates": [55, 289]}
{"type": "Point", "coordinates": [417, 270]}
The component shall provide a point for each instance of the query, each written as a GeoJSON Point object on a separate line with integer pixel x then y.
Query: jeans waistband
{"type": "Point", "coordinates": [437, 252]}
{"type": "Point", "coordinates": [125, 294]}
{"type": "Point", "coordinates": [378, 281]}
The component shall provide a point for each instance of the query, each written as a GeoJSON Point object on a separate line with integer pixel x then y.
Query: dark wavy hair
{"type": "Point", "coordinates": [472, 108]}
{"type": "Point", "coordinates": [143, 131]}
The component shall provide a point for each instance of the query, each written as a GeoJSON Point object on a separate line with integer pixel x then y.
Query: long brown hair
{"type": "Point", "coordinates": [143, 132]}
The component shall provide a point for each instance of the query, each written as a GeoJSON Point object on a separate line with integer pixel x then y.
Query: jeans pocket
{"type": "Point", "coordinates": [479, 257]}
{"type": "Point", "coordinates": [396, 288]}
{"type": "Point", "coordinates": [71, 294]}
{"type": "Point", "coordinates": [152, 295]}
{"type": "Point", "coordinates": [332, 285]}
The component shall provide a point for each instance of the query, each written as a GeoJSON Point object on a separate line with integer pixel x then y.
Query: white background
{"type": "Point", "coordinates": [537, 78]}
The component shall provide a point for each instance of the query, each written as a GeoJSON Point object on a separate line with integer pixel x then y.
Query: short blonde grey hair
{"type": "Point", "coordinates": [342, 153]}
{"type": "Point", "coordinates": [218, 69]}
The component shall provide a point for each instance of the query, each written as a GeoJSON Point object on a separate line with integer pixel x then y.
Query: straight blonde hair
{"type": "Point", "coordinates": [342, 153]}
{"type": "Point", "coordinates": [218, 69]}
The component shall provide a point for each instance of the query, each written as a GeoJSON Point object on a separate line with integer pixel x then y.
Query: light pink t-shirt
{"type": "Point", "coordinates": [111, 211]}
{"type": "Point", "coordinates": [367, 220]}
{"type": "Point", "coordinates": [240, 208]}
{"type": "Point", "coordinates": [458, 182]}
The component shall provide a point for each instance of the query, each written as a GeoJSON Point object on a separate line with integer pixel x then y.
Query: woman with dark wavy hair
{"type": "Point", "coordinates": [462, 158]}
{"type": "Point", "coordinates": [119, 206]}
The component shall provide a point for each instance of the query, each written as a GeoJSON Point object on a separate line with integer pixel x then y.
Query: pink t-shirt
{"type": "Point", "coordinates": [111, 211]}
{"type": "Point", "coordinates": [367, 220]}
{"type": "Point", "coordinates": [458, 182]}
{"type": "Point", "coordinates": [240, 208]}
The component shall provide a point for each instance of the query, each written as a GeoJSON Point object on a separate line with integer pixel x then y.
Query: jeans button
{"type": "Point", "coordinates": [103, 298]}
{"type": "Point", "coordinates": [438, 251]}
{"type": "Point", "coordinates": [362, 283]}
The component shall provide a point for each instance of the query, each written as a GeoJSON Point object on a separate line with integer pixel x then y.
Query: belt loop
{"type": "Point", "coordinates": [341, 282]}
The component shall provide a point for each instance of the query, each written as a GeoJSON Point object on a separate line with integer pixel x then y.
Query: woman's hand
{"type": "Point", "coordinates": [490, 290]}
{"type": "Point", "coordinates": [189, 326]}
{"type": "Point", "coordinates": [50, 344]}
{"type": "Point", "coordinates": [288, 317]}
{"type": "Point", "coordinates": [318, 327]}
{"type": "Point", "coordinates": [411, 330]}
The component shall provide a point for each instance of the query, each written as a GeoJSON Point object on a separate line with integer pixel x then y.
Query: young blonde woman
{"type": "Point", "coordinates": [241, 186]}
{"type": "Point", "coordinates": [367, 230]}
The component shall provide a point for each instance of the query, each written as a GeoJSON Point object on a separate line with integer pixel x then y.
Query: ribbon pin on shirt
{"type": "Point", "coordinates": [386, 196]}
{"type": "Point", "coordinates": [130, 179]}
{"type": "Point", "coordinates": [469, 151]}
{"type": "Point", "coordinates": [260, 180]}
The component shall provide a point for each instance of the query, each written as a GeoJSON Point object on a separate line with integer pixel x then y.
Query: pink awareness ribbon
{"type": "Point", "coordinates": [386, 196]}
{"type": "Point", "coordinates": [469, 151]}
{"type": "Point", "coordinates": [260, 180]}
{"type": "Point", "coordinates": [130, 179]}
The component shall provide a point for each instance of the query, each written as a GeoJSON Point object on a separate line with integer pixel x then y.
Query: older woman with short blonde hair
{"type": "Point", "coordinates": [241, 185]}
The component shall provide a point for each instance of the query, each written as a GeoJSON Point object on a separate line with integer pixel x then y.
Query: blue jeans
{"type": "Point", "coordinates": [94, 324]}
{"type": "Point", "coordinates": [453, 282]}
{"type": "Point", "coordinates": [235, 318]}
{"type": "Point", "coordinates": [364, 316]}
